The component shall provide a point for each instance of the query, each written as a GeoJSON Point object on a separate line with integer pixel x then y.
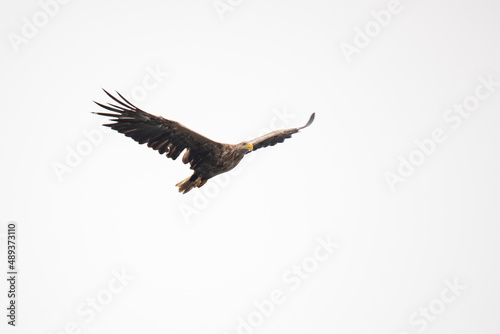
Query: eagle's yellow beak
{"type": "Point", "coordinates": [248, 146]}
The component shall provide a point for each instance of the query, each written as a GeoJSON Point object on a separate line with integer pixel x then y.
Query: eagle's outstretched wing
{"type": "Point", "coordinates": [278, 136]}
{"type": "Point", "coordinates": [161, 134]}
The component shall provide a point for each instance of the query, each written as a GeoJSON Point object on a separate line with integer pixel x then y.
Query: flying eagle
{"type": "Point", "coordinates": [207, 158]}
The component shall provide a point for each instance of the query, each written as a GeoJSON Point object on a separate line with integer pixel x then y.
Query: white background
{"type": "Point", "coordinates": [228, 76]}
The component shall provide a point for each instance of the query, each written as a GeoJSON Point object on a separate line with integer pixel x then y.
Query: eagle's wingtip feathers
{"type": "Point", "coordinates": [311, 119]}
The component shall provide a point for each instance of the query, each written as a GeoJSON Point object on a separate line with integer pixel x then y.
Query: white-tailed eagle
{"type": "Point", "coordinates": [207, 158]}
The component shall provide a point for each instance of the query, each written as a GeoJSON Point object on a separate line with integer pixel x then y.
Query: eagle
{"type": "Point", "coordinates": [207, 158]}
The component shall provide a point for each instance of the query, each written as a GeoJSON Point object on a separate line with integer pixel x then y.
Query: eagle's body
{"type": "Point", "coordinates": [223, 160]}
{"type": "Point", "coordinates": [207, 158]}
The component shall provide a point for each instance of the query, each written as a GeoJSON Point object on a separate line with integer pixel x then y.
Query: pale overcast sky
{"type": "Point", "coordinates": [381, 217]}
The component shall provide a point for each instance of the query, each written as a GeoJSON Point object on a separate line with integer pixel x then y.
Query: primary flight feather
{"type": "Point", "coordinates": [207, 158]}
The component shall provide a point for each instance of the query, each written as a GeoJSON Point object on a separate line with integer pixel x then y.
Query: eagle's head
{"type": "Point", "coordinates": [245, 147]}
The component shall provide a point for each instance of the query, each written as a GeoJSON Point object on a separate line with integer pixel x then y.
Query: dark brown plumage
{"type": "Point", "coordinates": [207, 158]}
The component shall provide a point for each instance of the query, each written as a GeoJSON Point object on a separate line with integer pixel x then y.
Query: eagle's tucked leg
{"type": "Point", "coordinates": [191, 182]}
